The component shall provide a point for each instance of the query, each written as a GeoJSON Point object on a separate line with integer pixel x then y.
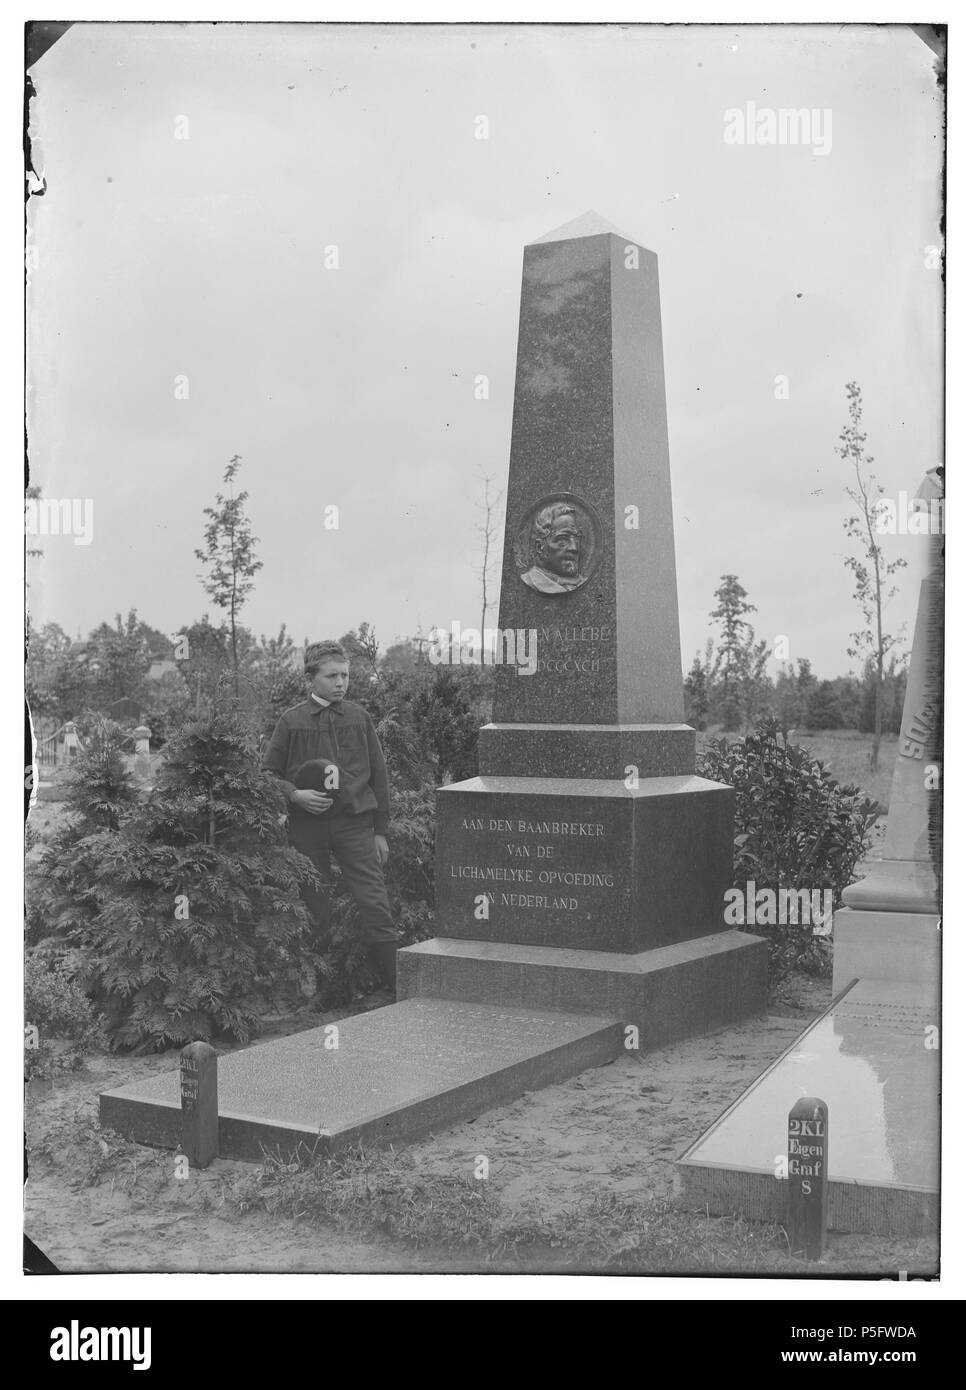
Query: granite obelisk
{"type": "Point", "coordinates": [587, 849]}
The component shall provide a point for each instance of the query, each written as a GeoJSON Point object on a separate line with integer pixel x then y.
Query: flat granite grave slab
{"type": "Point", "coordinates": [397, 1074]}
{"type": "Point", "coordinates": [868, 1058]}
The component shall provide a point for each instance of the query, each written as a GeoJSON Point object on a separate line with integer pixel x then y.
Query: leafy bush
{"type": "Point", "coordinates": [61, 1024]}
{"type": "Point", "coordinates": [100, 791]}
{"type": "Point", "coordinates": [168, 707]}
{"type": "Point", "coordinates": [182, 918]}
{"type": "Point", "coordinates": [444, 715]}
{"type": "Point", "coordinates": [796, 828]}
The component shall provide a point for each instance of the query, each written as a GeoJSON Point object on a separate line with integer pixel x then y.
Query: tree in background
{"type": "Point", "coordinates": [362, 647]}
{"type": "Point", "coordinates": [757, 689]}
{"type": "Point", "coordinates": [792, 691]}
{"type": "Point", "coordinates": [893, 695]}
{"type": "Point", "coordinates": [118, 660]}
{"type": "Point", "coordinates": [697, 688]}
{"type": "Point", "coordinates": [489, 532]}
{"type": "Point", "coordinates": [229, 557]}
{"type": "Point", "coordinates": [870, 570]}
{"type": "Point", "coordinates": [54, 681]}
{"type": "Point", "coordinates": [824, 710]}
{"type": "Point", "coordinates": [739, 666]}
{"type": "Point", "coordinates": [207, 661]}
{"type": "Point", "coordinates": [277, 677]}
{"type": "Point", "coordinates": [406, 654]}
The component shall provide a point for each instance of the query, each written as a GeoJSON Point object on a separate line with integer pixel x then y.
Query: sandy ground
{"type": "Point", "coordinates": [614, 1129]}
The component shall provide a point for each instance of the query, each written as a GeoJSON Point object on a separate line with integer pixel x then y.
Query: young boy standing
{"type": "Point", "coordinates": [326, 754]}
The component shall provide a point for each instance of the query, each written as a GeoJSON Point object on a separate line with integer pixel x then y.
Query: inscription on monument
{"type": "Point", "coordinates": [574, 651]}
{"type": "Point", "coordinates": [918, 733]}
{"type": "Point", "coordinates": [536, 864]}
{"type": "Point", "coordinates": [545, 875]}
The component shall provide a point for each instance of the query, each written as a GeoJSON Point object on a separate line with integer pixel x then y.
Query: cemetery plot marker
{"type": "Point", "coordinates": [199, 1104]}
{"type": "Point", "coordinates": [808, 1177]}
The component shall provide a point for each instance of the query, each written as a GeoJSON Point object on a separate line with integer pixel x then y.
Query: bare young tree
{"type": "Point", "coordinates": [488, 529]}
{"type": "Point", "coordinates": [229, 556]}
{"type": "Point", "coordinates": [363, 645]}
{"type": "Point", "coordinates": [870, 569]}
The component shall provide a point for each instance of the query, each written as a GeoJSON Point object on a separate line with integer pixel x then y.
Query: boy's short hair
{"type": "Point", "coordinates": [323, 651]}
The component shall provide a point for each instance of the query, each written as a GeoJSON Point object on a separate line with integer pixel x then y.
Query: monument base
{"type": "Point", "coordinates": [894, 885]}
{"type": "Point", "coordinates": [586, 750]}
{"type": "Point", "coordinates": [583, 863]}
{"type": "Point", "coordinates": [886, 946]}
{"type": "Point", "coordinates": [669, 993]}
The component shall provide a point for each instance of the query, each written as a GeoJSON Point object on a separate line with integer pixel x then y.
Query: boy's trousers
{"type": "Point", "coordinates": [349, 839]}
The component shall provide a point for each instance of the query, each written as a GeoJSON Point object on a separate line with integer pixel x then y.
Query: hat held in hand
{"type": "Point", "coordinates": [319, 775]}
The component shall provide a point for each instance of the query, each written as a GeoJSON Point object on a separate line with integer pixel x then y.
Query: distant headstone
{"type": "Point", "coordinates": [808, 1177]}
{"type": "Point", "coordinates": [199, 1104]}
{"type": "Point", "coordinates": [72, 742]}
{"type": "Point", "coordinates": [124, 709]}
{"type": "Point", "coordinates": [142, 752]}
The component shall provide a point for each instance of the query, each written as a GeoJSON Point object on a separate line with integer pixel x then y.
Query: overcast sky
{"type": "Point", "coordinates": [159, 257]}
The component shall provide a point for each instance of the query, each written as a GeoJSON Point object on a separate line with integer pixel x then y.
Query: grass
{"type": "Point", "coordinates": [386, 1193]}
{"type": "Point", "coordinates": [458, 1222]}
{"type": "Point", "coordinates": [846, 753]}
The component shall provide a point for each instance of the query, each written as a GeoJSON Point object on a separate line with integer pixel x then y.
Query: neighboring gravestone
{"type": "Point", "coordinates": [142, 753]}
{"type": "Point", "coordinates": [124, 709]}
{"type": "Point", "coordinates": [72, 743]}
{"type": "Point", "coordinates": [873, 1057]}
{"type": "Point", "coordinates": [808, 1177]}
{"type": "Point", "coordinates": [587, 832]}
{"type": "Point", "coordinates": [199, 1104]}
{"type": "Point", "coordinates": [889, 925]}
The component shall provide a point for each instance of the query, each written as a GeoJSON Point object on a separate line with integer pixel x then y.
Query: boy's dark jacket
{"type": "Point", "coordinates": [344, 734]}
